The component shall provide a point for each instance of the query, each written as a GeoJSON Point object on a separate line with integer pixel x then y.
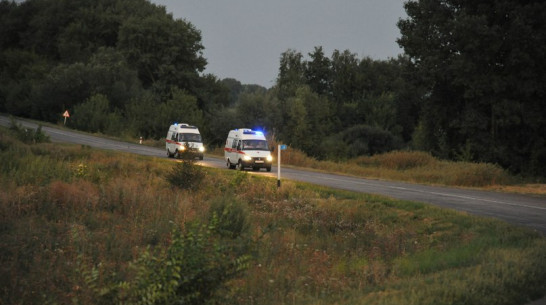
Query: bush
{"type": "Point", "coordinates": [232, 217]}
{"type": "Point", "coordinates": [28, 135]}
{"type": "Point", "coordinates": [193, 270]}
{"type": "Point", "coordinates": [404, 160]}
{"type": "Point", "coordinates": [186, 175]}
{"type": "Point", "coordinates": [368, 140]}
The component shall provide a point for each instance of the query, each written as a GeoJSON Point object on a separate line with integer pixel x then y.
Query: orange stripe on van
{"type": "Point", "coordinates": [234, 150]}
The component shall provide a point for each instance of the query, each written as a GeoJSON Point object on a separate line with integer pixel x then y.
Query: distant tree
{"type": "Point", "coordinates": [65, 86]}
{"type": "Point", "coordinates": [319, 121]}
{"type": "Point", "coordinates": [110, 75]}
{"type": "Point", "coordinates": [11, 24]}
{"type": "Point", "coordinates": [368, 140]}
{"type": "Point", "coordinates": [90, 28]}
{"type": "Point", "coordinates": [235, 88]}
{"type": "Point", "coordinates": [381, 113]}
{"type": "Point", "coordinates": [274, 119]}
{"type": "Point", "coordinates": [345, 77]}
{"type": "Point", "coordinates": [58, 54]}
{"type": "Point", "coordinates": [162, 50]}
{"type": "Point", "coordinates": [291, 74]}
{"type": "Point", "coordinates": [62, 88]}
{"type": "Point", "coordinates": [251, 111]}
{"type": "Point", "coordinates": [20, 72]}
{"type": "Point", "coordinates": [484, 64]}
{"type": "Point", "coordinates": [140, 114]}
{"type": "Point", "coordinates": [318, 72]}
{"type": "Point", "coordinates": [95, 115]}
{"type": "Point", "coordinates": [297, 127]}
{"type": "Point", "coordinates": [211, 93]}
{"type": "Point", "coordinates": [225, 119]}
{"type": "Point", "coordinates": [182, 108]}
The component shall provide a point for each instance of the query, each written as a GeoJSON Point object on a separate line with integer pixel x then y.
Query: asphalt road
{"type": "Point", "coordinates": [523, 210]}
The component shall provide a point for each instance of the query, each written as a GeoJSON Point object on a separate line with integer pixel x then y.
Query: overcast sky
{"type": "Point", "coordinates": [244, 39]}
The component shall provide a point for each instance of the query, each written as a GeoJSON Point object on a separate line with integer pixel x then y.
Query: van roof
{"type": "Point", "coordinates": [184, 125]}
{"type": "Point", "coordinates": [250, 131]}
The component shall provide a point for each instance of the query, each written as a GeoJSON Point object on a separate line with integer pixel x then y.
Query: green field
{"type": "Point", "coordinates": [85, 226]}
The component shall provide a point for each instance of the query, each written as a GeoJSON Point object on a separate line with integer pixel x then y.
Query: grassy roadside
{"type": "Point", "coordinates": [74, 220]}
{"type": "Point", "coordinates": [418, 167]}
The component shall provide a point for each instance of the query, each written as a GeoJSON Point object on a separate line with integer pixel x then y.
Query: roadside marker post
{"type": "Point", "coordinates": [281, 147]}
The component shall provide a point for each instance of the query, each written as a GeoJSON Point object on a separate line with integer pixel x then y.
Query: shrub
{"type": "Point", "coordinates": [403, 160]}
{"type": "Point", "coordinates": [368, 140]}
{"type": "Point", "coordinates": [231, 215]}
{"type": "Point", "coordinates": [186, 175]}
{"type": "Point", "coordinates": [28, 135]}
{"type": "Point", "coordinates": [193, 270]}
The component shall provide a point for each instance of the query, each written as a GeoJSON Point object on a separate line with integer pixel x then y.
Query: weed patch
{"type": "Point", "coordinates": [186, 175]}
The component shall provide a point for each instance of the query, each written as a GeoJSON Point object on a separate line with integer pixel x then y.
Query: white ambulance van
{"type": "Point", "coordinates": [247, 148]}
{"type": "Point", "coordinates": [184, 138]}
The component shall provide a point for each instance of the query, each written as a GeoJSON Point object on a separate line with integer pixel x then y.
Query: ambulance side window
{"type": "Point", "coordinates": [234, 144]}
{"type": "Point", "coordinates": [239, 145]}
{"type": "Point", "coordinates": [174, 136]}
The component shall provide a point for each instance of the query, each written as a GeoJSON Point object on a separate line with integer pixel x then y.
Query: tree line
{"type": "Point", "coordinates": [468, 87]}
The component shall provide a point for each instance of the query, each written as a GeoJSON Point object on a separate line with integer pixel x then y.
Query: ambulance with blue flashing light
{"type": "Point", "coordinates": [247, 148]}
{"type": "Point", "coordinates": [183, 139]}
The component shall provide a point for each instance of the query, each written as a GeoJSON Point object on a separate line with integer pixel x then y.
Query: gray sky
{"type": "Point", "coordinates": [244, 39]}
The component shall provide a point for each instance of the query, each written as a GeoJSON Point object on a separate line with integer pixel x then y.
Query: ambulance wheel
{"type": "Point", "coordinates": [169, 155]}
{"type": "Point", "coordinates": [229, 165]}
{"type": "Point", "coordinates": [176, 154]}
{"type": "Point", "coordinates": [240, 166]}
{"type": "Point", "coordinates": [268, 169]}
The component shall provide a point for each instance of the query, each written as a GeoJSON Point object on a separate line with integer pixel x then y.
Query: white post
{"type": "Point", "coordinates": [278, 166]}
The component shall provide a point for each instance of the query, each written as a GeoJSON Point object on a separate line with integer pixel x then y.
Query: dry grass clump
{"type": "Point", "coordinates": [398, 160]}
{"type": "Point", "coordinates": [410, 166]}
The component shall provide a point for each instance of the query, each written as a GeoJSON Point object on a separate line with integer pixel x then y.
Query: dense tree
{"type": "Point", "coordinates": [484, 63]}
{"type": "Point", "coordinates": [95, 115]}
{"type": "Point", "coordinates": [181, 108]}
{"type": "Point", "coordinates": [250, 108]}
{"type": "Point", "coordinates": [291, 74]}
{"type": "Point", "coordinates": [235, 88]}
{"type": "Point", "coordinates": [345, 82]}
{"type": "Point", "coordinates": [163, 51]}
{"type": "Point", "coordinates": [332, 95]}
{"type": "Point", "coordinates": [318, 72]}
{"type": "Point", "coordinates": [20, 72]}
{"type": "Point", "coordinates": [297, 125]}
{"type": "Point", "coordinates": [59, 54]}
{"type": "Point", "coordinates": [111, 75]}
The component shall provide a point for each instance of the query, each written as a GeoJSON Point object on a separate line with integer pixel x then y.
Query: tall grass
{"type": "Point", "coordinates": [82, 214]}
{"type": "Point", "coordinates": [418, 167]}
{"type": "Point", "coordinates": [410, 166]}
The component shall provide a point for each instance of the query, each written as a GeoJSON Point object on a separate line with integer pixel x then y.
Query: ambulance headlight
{"type": "Point", "coordinates": [202, 149]}
{"type": "Point", "coordinates": [183, 147]}
{"type": "Point", "coordinates": [247, 158]}
{"type": "Point", "coordinates": [269, 158]}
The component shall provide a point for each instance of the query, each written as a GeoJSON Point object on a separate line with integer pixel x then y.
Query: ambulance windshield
{"type": "Point", "coordinates": [255, 145]}
{"type": "Point", "coordinates": [189, 137]}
